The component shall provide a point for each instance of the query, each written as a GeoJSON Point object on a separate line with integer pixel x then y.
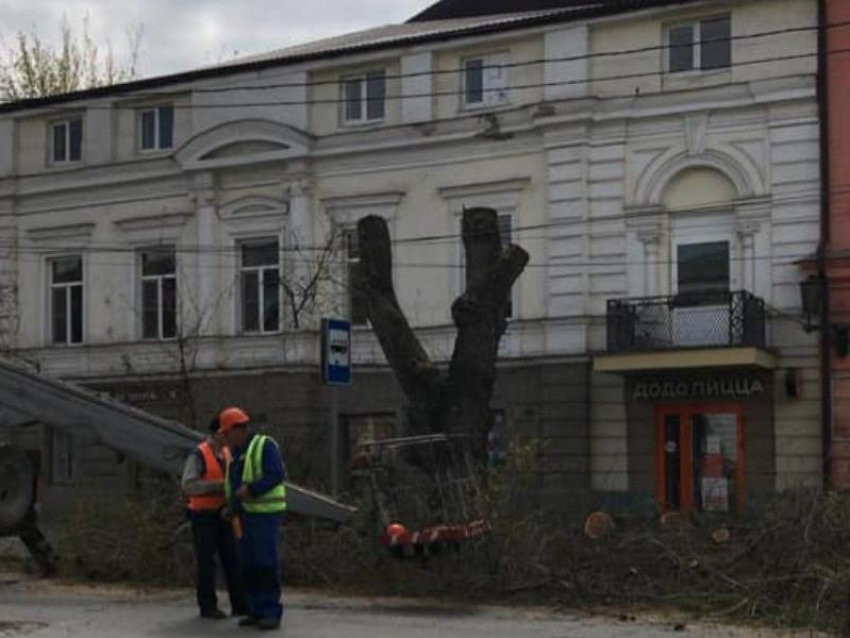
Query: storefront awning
{"type": "Point", "coordinates": [696, 358]}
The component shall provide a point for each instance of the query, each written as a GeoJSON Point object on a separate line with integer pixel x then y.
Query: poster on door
{"type": "Point", "coordinates": [715, 494]}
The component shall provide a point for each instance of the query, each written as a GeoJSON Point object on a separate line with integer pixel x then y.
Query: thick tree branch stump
{"type": "Point", "coordinates": [458, 402]}
{"type": "Point", "coordinates": [417, 375]}
{"type": "Point", "coordinates": [479, 315]}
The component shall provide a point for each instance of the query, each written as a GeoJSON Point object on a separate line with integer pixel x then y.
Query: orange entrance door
{"type": "Point", "coordinates": [700, 458]}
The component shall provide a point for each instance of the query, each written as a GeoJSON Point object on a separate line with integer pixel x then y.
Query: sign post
{"type": "Point", "coordinates": [336, 371]}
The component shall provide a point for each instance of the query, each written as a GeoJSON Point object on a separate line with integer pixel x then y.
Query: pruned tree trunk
{"type": "Point", "coordinates": [457, 401]}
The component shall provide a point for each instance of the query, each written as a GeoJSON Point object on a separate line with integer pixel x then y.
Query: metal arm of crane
{"type": "Point", "coordinates": [26, 396]}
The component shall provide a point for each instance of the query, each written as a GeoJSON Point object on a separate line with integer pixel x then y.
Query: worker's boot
{"type": "Point", "coordinates": [249, 621]}
{"type": "Point", "coordinates": [213, 614]}
{"type": "Point", "coordinates": [269, 624]}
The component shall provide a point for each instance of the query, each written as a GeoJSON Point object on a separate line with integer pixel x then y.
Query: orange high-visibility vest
{"type": "Point", "coordinates": [213, 471]}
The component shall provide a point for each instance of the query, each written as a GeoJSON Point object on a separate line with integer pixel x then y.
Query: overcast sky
{"type": "Point", "coordinates": [182, 34]}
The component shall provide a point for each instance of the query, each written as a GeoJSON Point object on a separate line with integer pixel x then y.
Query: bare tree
{"type": "Point", "coordinates": [457, 401]}
{"type": "Point", "coordinates": [30, 68]}
{"type": "Point", "coordinates": [312, 270]}
{"type": "Point", "coordinates": [307, 271]}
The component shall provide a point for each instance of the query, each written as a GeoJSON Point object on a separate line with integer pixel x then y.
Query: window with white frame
{"type": "Point", "coordinates": [485, 81]}
{"type": "Point", "coordinates": [66, 141]}
{"type": "Point", "coordinates": [505, 221]}
{"type": "Point", "coordinates": [364, 98]}
{"type": "Point", "coordinates": [358, 310]}
{"type": "Point", "coordinates": [700, 45]}
{"type": "Point", "coordinates": [66, 300]}
{"type": "Point", "coordinates": [159, 293]}
{"type": "Point", "coordinates": [156, 128]}
{"type": "Point", "coordinates": [260, 286]}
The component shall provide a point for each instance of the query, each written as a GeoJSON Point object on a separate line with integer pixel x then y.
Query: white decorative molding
{"type": "Point", "coordinates": [349, 209]}
{"type": "Point", "coordinates": [156, 229]}
{"type": "Point", "coordinates": [242, 143]}
{"type": "Point", "coordinates": [254, 206]}
{"type": "Point", "coordinates": [203, 189]}
{"type": "Point", "coordinates": [753, 208]}
{"type": "Point", "coordinates": [78, 232]}
{"type": "Point", "coordinates": [647, 222]}
{"type": "Point", "coordinates": [654, 179]}
{"type": "Point", "coordinates": [504, 195]}
{"type": "Point", "coordinates": [696, 127]}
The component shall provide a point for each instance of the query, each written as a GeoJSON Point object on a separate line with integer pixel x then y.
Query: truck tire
{"type": "Point", "coordinates": [16, 488]}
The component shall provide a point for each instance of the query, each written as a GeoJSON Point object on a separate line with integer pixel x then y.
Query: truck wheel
{"type": "Point", "coordinates": [16, 488]}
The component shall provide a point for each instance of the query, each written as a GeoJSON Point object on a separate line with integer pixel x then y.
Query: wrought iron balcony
{"type": "Point", "coordinates": [708, 319]}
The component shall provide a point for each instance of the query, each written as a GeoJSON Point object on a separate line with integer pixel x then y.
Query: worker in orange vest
{"type": "Point", "coordinates": [212, 532]}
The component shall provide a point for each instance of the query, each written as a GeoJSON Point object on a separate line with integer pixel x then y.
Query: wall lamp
{"type": "Point", "coordinates": [812, 292]}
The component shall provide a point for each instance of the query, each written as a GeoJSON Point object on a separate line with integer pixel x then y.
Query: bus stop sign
{"type": "Point", "coordinates": [336, 352]}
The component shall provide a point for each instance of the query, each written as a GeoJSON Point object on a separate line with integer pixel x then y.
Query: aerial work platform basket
{"type": "Point", "coordinates": [424, 494]}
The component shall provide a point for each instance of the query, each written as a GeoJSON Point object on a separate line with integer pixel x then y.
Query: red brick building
{"type": "Point", "coordinates": [835, 260]}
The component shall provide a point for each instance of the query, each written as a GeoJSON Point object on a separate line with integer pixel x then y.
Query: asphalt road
{"type": "Point", "coordinates": [31, 609]}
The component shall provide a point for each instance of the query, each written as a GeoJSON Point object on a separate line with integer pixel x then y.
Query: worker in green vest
{"type": "Point", "coordinates": [256, 495]}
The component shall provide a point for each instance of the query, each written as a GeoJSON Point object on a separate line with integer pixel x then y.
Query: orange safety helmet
{"type": "Point", "coordinates": [231, 418]}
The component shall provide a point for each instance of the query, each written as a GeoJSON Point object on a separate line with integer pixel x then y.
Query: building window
{"type": "Point", "coordinates": [701, 314]}
{"type": "Point", "coordinates": [260, 286]}
{"type": "Point", "coordinates": [366, 428]}
{"type": "Point", "coordinates": [159, 294]}
{"type": "Point", "coordinates": [358, 309]}
{"type": "Point", "coordinates": [156, 128]}
{"type": "Point", "coordinates": [61, 457]}
{"type": "Point", "coordinates": [485, 81]}
{"type": "Point", "coordinates": [703, 269]}
{"type": "Point", "coordinates": [66, 300]}
{"type": "Point", "coordinates": [704, 45]}
{"type": "Point", "coordinates": [67, 141]}
{"type": "Point", "coordinates": [364, 98]}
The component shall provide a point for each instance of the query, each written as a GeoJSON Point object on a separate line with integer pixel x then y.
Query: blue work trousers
{"type": "Point", "coordinates": [258, 553]}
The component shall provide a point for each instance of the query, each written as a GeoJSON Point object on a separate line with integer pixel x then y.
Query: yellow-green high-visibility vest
{"type": "Point", "coordinates": [273, 501]}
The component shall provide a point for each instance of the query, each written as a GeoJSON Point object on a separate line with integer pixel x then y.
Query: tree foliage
{"type": "Point", "coordinates": [32, 68]}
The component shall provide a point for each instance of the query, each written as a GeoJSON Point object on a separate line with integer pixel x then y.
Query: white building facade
{"type": "Point", "coordinates": [157, 239]}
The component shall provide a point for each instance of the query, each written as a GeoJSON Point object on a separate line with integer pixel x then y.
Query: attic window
{"type": "Point", "coordinates": [700, 46]}
{"type": "Point", "coordinates": [485, 81]}
{"type": "Point", "coordinates": [156, 128]}
{"type": "Point", "coordinates": [364, 98]}
{"type": "Point", "coordinates": [67, 141]}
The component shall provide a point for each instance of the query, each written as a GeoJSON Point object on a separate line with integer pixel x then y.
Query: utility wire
{"type": "Point", "coordinates": [508, 89]}
{"type": "Point", "coordinates": [519, 64]}
{"type": "Point", "coordinates": [715, 207]}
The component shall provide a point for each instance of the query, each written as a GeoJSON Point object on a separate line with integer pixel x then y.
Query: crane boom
{"type": "Point", "coordinates": [27, 397]}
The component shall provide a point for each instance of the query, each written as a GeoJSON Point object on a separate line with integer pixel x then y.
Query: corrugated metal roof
{"type": "Point", "coordinates": [399, 34]}
{"type": "Point", "coordinates": [453, 9]}
{"type": "Point", "coordinates": [380, 38]}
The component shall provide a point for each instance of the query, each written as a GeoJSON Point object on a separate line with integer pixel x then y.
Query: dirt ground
{"type": "Point", "coordinates": [38, 609]}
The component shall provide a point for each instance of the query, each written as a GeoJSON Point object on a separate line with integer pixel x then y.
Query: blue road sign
{"type": "Point", "coordinates": [336, 352]}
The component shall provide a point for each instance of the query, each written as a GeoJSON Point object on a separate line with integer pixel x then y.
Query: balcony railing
{"type": "Point", "coordinates": [711, 319]}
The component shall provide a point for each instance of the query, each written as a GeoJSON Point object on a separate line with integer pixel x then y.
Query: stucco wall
{"type": "Point", "coordinates": [587, 182]}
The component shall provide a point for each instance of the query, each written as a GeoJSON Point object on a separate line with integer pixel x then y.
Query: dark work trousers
{"type": "Point", "coordinates": [213, 535]}
{"type": "Point", "coordinates": [258, 552]}
{"type": "Point", "coordinates": [37, 545]}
